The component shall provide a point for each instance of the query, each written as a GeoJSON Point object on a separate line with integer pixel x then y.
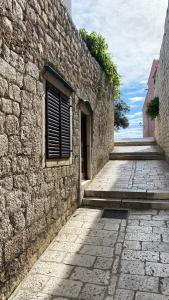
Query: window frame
{"type": "Point", "coordinates": [65, 89]}
{"type": "Point", "coordinates": [62, 139]}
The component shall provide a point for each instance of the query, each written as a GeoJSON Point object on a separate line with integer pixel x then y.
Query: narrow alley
{"type": "Point", "coordinates": [107, 254]}
{"type": "Point", "coordinates": [84, 150]}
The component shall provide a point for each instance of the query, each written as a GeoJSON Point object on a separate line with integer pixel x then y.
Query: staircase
{"type": "Point", "coordinates": [136, 176]}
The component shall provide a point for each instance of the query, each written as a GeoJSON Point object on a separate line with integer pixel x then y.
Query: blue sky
{"type": "Point", "coordinates": [134, 31]}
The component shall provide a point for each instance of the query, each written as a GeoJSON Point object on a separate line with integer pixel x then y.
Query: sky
{"type": "Point", "coordinates": [134, 30]}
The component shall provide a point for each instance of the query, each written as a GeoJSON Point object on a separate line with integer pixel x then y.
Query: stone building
{"type": "Point", "coordinates": [162, 91]}
{"type": "Point", "coordinates": [56, 128]}
{"type": "Point", "coordinates": [148, 123]}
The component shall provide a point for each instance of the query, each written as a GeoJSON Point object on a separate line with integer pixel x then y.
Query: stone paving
{"type": "Point", "coordinates": [97, 258]}
{"type": "Point", "coordinates": [132, 175]}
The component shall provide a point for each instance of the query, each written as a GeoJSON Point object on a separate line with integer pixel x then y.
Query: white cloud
{"type": "Point", "coordinates": [135, 115]}
{"type": "Point", "coordinates": [133, 30]}
{"type": "Point", "coordinates": [132, 106]}
{"type": "Point", "coordinates": [137, 99]}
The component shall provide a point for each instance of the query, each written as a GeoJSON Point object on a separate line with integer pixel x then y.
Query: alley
{"type": "Point", "coordinates": [102, 258]}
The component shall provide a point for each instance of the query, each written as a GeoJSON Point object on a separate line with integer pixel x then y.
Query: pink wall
{"type": "Point", "coordinates": [148, 124]}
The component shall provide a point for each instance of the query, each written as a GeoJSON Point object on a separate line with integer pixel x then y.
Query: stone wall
{"type": "Point", "coordinates": [162, 91]}
{"type": "Point", "coordinates": [148, 123]}
{"type": "Point", "coordinates": [35, 200]}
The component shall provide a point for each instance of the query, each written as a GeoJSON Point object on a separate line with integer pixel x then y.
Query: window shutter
{"type": "Point", "coordinates": [57, 124]}
{"type": "Point", "coordinates": [65, 127]}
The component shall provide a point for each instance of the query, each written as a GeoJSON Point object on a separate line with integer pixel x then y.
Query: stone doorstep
{"type": "Point", "coordinates": [126, 203]}
{"type": "Point", "coordinates": [133, 142]}
{"type": "Point", "coordinates": [136, 156]}
{"type": "Point", "coordinates": [128, 194]}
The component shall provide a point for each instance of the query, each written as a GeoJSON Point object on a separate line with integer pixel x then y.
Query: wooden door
{"type": "Point", "coordinates": [84, 146]}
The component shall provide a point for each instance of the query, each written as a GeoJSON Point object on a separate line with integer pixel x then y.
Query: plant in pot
{"type": "Point", "coordinates": [153, 108]}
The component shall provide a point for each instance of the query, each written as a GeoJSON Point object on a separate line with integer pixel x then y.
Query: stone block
{"type": "Point", "coordinates": [79, 260]}
{"type": "Point", "coordinates": [132, 267]}
{"type": "Point", "coordinates": [16, 109]}
{"type": "Point", "coordinates": [7, 71]}
{"type": "Point", "coordinates": [155, 246]}
{"type": "Point", "coordinates": [140, 255]}
{"type": "Point", "coordinates": [63, 287]}
{"type": "Point", "coordinates": [124, 295]}
{"type": "Point", "coordinates": [164, 286]}
{"type": "Point", "coordinates": [93, 292]}
{"type": "Point", "coordinates": [12, 125]}
{"type": "Point", "coordinates": [154, 237]}
{"type": "Point", "coordinates": [3, 87]}
{"type": "Point", "coordinates": [157, 269]}
{"type": "Point", "coordinates": [3, 145]}
{"type": "Point", "coordinates": [148, 296]}
{"type": "Point", "coordinates": [92, 276]}
{"type": "Point", "coordinates": [97, 250]}
{"type": "Point", "coordinates": [58, 270]}
{"type": "Point", "coordinates": [34, 283]}
{"type": "Point", "coordinates": [164, 258]}
{"type": "Point", "coordinates": [32, 70]}
{"type": "Point", "coordinates": [138, 283]}
{"type": "Point", "coordinates": [6, 106]}
{"type": "Point", "coordinates": [14, 92]}
{"type": "Point", "coordinates": [14, 247]}
{"type": "Point", "coordinates": [103, 263]}
{"type": "Point", "coordinates": [30, 84]}
{"type": "Point", "coordinates": [133, 245]}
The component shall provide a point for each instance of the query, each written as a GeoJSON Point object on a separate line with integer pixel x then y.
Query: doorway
{"type": "Point", "coordinates": [84, 148]}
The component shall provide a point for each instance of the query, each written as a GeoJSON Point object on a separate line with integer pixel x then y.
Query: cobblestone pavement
{"type": "Point", "coordinates": [111, 259]}
{"type": "Point", "coordinates": [132, 175]}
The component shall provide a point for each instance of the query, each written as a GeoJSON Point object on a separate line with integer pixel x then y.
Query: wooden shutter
{"type": "Point", "coordinates": [65, 127]}
{"type": "Point", "coordinates": [57, 124]}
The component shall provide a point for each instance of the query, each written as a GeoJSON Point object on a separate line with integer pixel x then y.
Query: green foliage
{"type": "Point", "coordinates": [153, 108]}
{"type": "Point", "coordinates": [99, 50]}
{"type": "Point", "coordinates": [120, 120]}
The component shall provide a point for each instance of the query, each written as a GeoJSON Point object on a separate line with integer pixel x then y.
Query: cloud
{"type": "Point", "coordinates": [137, 99]}
{"type": "Point", "coordinates": [132, 106]}
{"type": "Point", "coordinates": [133, 30]}
{"type": "Point", "coordinates": [135, 115]}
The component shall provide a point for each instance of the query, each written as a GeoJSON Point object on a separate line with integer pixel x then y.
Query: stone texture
{"type": "Point", "coordinates": [92, 276]}
{"type": "Point", "coordinates": [3, 145]}
{"type": "Point", "coordinates": [162, 90]}
{"type": "Point", "coordinates": [48, 195]}
{"type": "Point", "coordinates": [134, 272]}
{"type": "Point", "coordinates": [140, 255]}
{"type": "Point", "coordinates": [136, 282]}
{"type": "Point", "coordinates": [164, 286]}
{"type": "Point", "coordinates": [132, 267]}
{"type": "Point", "coordinates": [93, 292]}
{"type": "Point", "coordinates": [147, 296]}
{"type": "Point", "coordinates": [65, 288]}
{"type": "Point", "coordinates": [157, 269]}
{"type": "Point", "coordinates": [124, 295]}
{"type": "Point", "coordinates": [132, 175]}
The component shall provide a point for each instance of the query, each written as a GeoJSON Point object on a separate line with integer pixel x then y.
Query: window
{"type": "Point", "coordinates": [57, 123]}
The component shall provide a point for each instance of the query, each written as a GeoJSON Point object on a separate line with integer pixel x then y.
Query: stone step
{"type": "Point", "coordinates": [136, 156]}
{"type": "Point", "coordinates": [128, 194]}
{"type": "Point", "coordinates": [125, 203]}
{"type": "Point", "coordinates": [136, 142]}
